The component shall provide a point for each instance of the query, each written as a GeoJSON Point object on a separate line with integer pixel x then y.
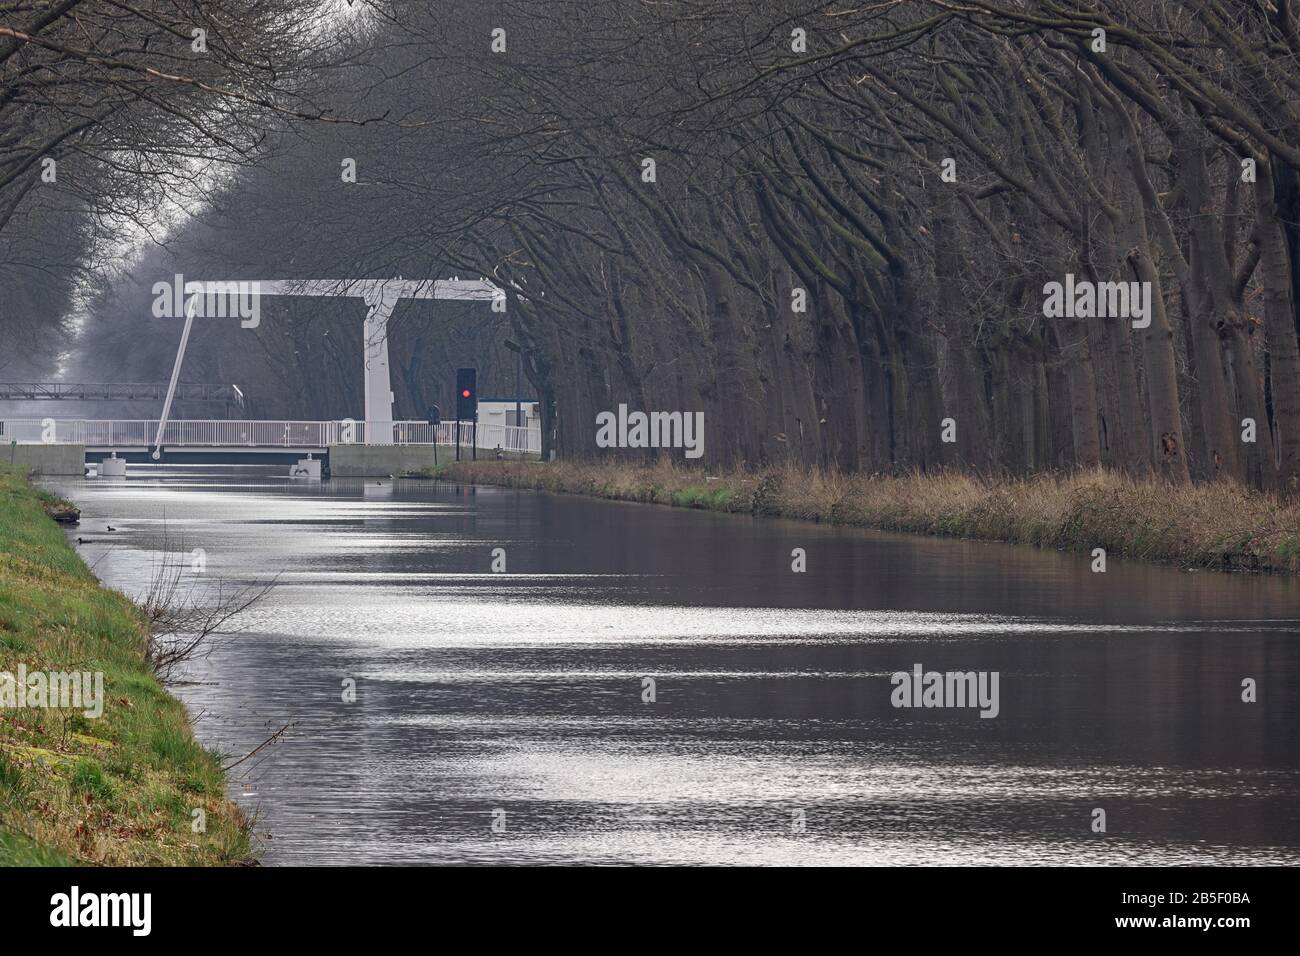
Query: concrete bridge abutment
{"type": "Point", "coordinates": [46, 458]}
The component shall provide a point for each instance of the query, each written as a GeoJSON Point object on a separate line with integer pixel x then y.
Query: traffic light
{"type": "Point", "coordinates": [466, 394]}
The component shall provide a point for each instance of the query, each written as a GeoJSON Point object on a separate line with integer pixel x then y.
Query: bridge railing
{"type": "Point", "coordinates": [512, 438]}
{"type": "Point", "coordinates": [178, 432]}
{"type": "Point", "coordinates": [265, 434]}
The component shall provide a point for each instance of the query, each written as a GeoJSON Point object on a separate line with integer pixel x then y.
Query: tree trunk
{"type": "Point", "coordinates": [1280, 329]}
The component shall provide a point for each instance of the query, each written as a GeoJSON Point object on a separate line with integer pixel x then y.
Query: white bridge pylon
{"type": "Point", "coordinates": [380, 296]}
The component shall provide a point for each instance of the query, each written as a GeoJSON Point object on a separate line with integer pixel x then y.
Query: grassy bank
{"type": "Point", "coordinates": [118, 789]}
{"type": "Point", "coordinates": [1219, 526]}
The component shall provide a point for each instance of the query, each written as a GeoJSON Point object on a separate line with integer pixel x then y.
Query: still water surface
{"type": "Point", "coordinates": [522, 692]}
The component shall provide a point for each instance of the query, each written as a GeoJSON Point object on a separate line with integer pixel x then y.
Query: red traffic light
{"type": "Point", "coordinates": [466, 394]}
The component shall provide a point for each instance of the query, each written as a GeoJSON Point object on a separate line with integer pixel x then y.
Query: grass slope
{"type": "Point", "coordinates": [117, 790]}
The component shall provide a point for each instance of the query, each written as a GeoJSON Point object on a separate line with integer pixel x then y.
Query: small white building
{"type": "Point", "coordinates": [501, 411]}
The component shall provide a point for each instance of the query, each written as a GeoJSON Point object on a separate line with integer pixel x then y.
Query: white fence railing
{"type": "Point", "coordinates": [510, 438]}
{"type": "Point", "coordinates": [259, 434]}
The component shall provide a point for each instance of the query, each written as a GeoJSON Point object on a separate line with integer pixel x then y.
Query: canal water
{"type": "Point", "coordinates": [657, 686]}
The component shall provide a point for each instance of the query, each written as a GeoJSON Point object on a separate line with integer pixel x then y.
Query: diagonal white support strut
{"type": "Point", "coordinates": [381, 297]}
{"type": "Point", "coordinates": [176, 374]}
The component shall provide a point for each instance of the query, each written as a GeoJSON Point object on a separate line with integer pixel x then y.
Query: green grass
{"type": "Point", "coordinates": [18, 850]}
{"type": "Point", "coordinates": [697, 496]}
{"type": "Point", "coordinates": [88, 778]}
{"type": "Point", "coordinates": [117, 790]}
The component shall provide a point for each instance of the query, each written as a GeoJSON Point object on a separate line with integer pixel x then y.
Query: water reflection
{"type": "Point", "coordinates": [522, 692]}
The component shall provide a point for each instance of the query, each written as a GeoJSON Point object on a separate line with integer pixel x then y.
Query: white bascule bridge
{"type": "Point", "coordinates": [223, 440]}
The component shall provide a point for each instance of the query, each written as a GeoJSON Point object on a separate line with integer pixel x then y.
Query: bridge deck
{"type": "Point", "coordinates": [251, 436]}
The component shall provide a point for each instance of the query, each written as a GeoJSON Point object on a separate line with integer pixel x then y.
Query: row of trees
{"type": "Point", "coordinates": [117, 118]}
{"type": "Point", "coordinates": [802, 150]}
{"type": "Point", "coordinates": [828, 228]}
